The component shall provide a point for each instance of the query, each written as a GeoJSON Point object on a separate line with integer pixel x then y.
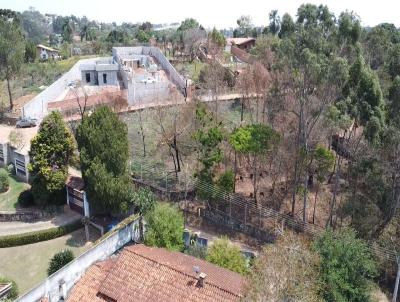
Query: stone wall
{"type": "Point", "coordinates": [24, 216]}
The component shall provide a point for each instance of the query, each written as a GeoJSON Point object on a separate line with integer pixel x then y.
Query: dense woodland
{"type": "Point", "coordinates": [315, 135]}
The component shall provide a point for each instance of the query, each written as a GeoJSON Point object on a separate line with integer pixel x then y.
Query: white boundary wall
{"type": "Point", "coordinates": [142, 92]}
{"type": "Point", "coordinates": [37, 107]}
{"type": "Point", "coordinates": [60, 283]}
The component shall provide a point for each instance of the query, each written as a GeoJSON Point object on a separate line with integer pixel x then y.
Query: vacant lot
{"type": "Point", "coordinates": [9, 199]}
{"type": "Point", "coordinates": [27, 264]}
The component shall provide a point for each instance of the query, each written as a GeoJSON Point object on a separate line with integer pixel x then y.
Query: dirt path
{"type": "Point", "coordinates": [18, 227]}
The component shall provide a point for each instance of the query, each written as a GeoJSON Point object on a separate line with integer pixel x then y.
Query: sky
{"type": "Point", "coordinates": [210, 13]}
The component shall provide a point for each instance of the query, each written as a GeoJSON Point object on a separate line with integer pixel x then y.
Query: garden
{"type": "Point", "coordinates": [37, 258]}
{"type": "Point", "coordinates": [12, 192]}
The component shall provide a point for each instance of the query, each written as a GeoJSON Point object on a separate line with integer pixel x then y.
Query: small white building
{"type": "Point", "coordinates": [16, 153]}
{"type": "Point", "coordinates": [45, 52]}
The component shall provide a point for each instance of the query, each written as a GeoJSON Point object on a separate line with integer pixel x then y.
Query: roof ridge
{"type": "Point", "coordinates": [183, 273]}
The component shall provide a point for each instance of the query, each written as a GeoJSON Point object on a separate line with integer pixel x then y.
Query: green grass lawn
{"type": "Point", "coordinates": [27, 265]}
{"type": "Point", "coordinates": [9, 199]}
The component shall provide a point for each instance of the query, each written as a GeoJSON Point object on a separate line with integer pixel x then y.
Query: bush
{"type": "Point", "coordinates": [25, 199]}
{"type": "Point", "coordinates": [347, 266]}
{"type": "Point", "coordinates": [224, 254]}
{"type": "Point", "coordinates": [11, 169]}
{"type": "Point", "coordinates": [197, 251]}
{"type": "Point", "coordinates": [164, 227]}
{"type": "Point", "coordinates": [43, 235]}
{"type": "Point", "coordinates": [4, 181]}
{"type": "Point", "coordinates": [59, 260]}
{"type": "Point", "coordinates": [13, 293]}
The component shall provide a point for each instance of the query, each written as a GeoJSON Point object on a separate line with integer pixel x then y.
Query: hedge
{"type": "Point", "coordinates": [38, 236]}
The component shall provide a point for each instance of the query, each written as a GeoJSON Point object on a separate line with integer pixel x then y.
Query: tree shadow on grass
{"type": "Point", "coordinates": [78, 238]}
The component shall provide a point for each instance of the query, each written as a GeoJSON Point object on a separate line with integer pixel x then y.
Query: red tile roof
{"type": "Point", "coordinates": [143, 273]}
{"type": "Point", "coordinates": [238, 41]}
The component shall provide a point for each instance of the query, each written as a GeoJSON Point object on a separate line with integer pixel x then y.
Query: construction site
{"type": "Point", "coordinates": [132, 76]}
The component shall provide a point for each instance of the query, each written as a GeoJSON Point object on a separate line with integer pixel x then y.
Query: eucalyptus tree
{"type": "Point", "coordinates": [12, 48]}
{"type": "Point", "coordinates": [314, 76]}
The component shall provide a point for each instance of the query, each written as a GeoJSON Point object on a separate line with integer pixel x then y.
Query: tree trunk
{"type": "Point", "coordinates": [315, 203]}
{"type": "Point", "coordinates": [241, 111]}
{"type": "Point", "coordinates": [175, 146]}
{"type": "Point", "coordinates": [329, 221]}
{"type": "Point", "coordinates": [255, 179]}
{"type": "Point", "coordinates": [235, 173]}
{"type": "Point", "coordinates": [9, 92]}
{"type": "Point", "coordinates": [143, 136]}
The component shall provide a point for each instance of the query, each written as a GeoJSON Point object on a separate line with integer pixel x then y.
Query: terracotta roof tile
{"type": "Point", "coordinates": [143, 273]}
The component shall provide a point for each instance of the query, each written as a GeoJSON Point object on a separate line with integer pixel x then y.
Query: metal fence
{"type": "Point", "coordinates": [237, 212]}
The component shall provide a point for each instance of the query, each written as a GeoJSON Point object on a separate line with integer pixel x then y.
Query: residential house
{"type": "Point", "coordinates": [44, 52]}
{"type": "Point", "coordinates": [17, 152]}
{"type": "Point", "coordinates": [242, 43]}
{"type": "Point", "coordinates": [141, 273]}
{"type": "Point", "coordinates": [101, 72]}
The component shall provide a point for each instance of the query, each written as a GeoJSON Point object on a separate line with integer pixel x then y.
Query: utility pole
{"type": "Point", "coordinates": [396, 286]}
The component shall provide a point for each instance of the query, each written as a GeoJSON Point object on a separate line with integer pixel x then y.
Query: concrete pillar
{"type": "Point", "coordinates": [66, 188]}
{"type": "Point", "coordinates": [86, 205]}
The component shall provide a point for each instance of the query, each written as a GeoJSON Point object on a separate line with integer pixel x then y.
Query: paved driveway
{"type": "Point", "coordinates": [17, 227]}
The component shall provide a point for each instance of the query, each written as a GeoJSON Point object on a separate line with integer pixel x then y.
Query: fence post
{"type": "Point", "coordinates": [230, 207]}
{"type": "Point", "coordinates": [396, 286]}
{"type": "Point", "coordinates": [141, 171]}
{"type": "Point", "coordinates": [245, 213]}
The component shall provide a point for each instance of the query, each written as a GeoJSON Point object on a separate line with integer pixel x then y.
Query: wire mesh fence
{"type": "Point", "coordinates": [235, 211]}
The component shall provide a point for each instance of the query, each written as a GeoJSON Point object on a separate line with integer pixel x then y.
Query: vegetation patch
{"type": "Point", "coordinates": [9, 200]}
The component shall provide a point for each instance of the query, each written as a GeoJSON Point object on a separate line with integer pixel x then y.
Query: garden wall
{"type": "Point", "coordinates": [25, 216]}
{"type": "Point", "coordinates": [56, 287]}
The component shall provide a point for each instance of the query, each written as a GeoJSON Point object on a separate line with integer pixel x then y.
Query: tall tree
{"type": "Point", "coordinates": [67, 30]}
{"type": "Point", "coordinates": [30, 52]}
{"type": "Point", "coordinates": [12, 48]}
{"type": "Point", "coordinates": [103, 145]}
{"type": "Point", "coordinates": [316, 75]}
{"type": "Point", "coordinates": [245, 26]}
{"type": "Point", "coordinates": [254, 141]}
{"type": "Point", "coordinates": [51, 152]}
{"type": "Point", "coordinates": [274, 22]}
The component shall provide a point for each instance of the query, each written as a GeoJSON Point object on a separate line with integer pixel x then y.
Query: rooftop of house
{"type": "Point", "coordinates": [25, 135]}
{"type": "Point", "coordinates": [155, 274]}
{"type": "Point", "coordinates": [46, 47]}
{"type": "Point", "coordinates": [238, 41]}
{"type": "Point", "coordinates": [100, 65]}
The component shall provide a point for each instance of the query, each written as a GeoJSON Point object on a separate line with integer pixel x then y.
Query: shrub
{"type": "Point", "coordinates": [11, 169]}
{"type": "Point", "coordinates": [223, 253]}
{"type": "Point", "coordinates": [4, 181]}
{"type": "Point", "coordinates": [43, 235]}
{"type": "Point", "coordinates": [59, 260]}
{"type": "Point", "coordinates": [197, 251]}
{"type": "Point", "coordinates": [164, 227]}
{"type": "Point", "coordinates": [13, 293]}
{"type": "Point", "coordinates": [347, 266]}
{"type": "Point", "coordinates": [25, 199]}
